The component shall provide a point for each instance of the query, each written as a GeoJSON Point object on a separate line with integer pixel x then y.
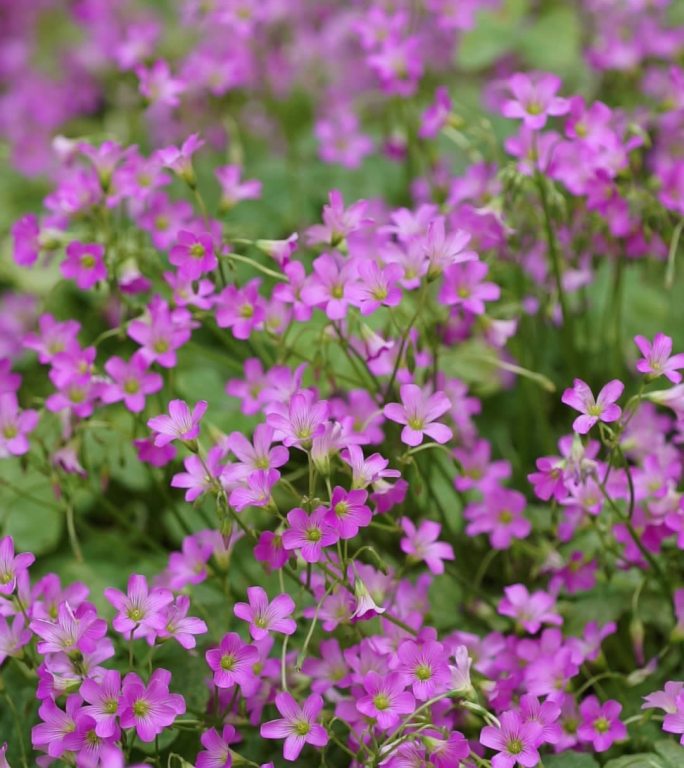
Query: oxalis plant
{"type": "Point", "coordinates": [341, 404]}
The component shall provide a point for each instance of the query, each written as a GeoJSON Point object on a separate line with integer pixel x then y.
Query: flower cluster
{"type": "Point", "coordinates": [341, 411]}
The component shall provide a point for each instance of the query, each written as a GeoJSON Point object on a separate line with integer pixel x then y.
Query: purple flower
{"type": "Point", "coordinates": [13, 637]}
{"type": "Point", "coordinates": [419, 413]}
{"type": "Point", "coordinates": [240, 309]}
{"type": "Point", "coordinates": [534, 99]}
{"type": "Point", "coordinates": [603, 408]}
{"type": "Point", "coordinates": [516, 741]}
{"type": "Point", "coordinates": [435, 117]}
{"type": "Point", "coordinates": [444, 250]}
{"type": "Point", "coordinates": [447, 753]}
{"type": "Point", "coordinates": [500, 514]}
{"type": "Point", "coordinates": [255, 491]}
{"type": "Point", "coordinates": [265, 617]}
{"type": "Point", "coordinates": [138, 609]}
{"type": "Point", "coordinates": [200, 475]}
{"type": "Point", "coordinates": [102, 699]}
{"type": "Point", "coordinates": [233, 190]}
{"type": "Point", "coordinates": [72, 630]}
{"type": "Point", "coordinates": [463, 286]}
{"type": "Point", "coordinates": [233, 662]}
{"type": "Point", "coordinates": [15, 425]}
{"type": "Point", "coordinates": [162, 332]}
{"type": "Point", "coordinates": [180, 424]}
{"type": "Point", "coordinates": [84, 264]}
{"type": "Point", "coordinates": [601, 724]}
{"type": "Point", "coordinates": [426, 668]}
{"type": "Point", "coordinates": [173, 621]}
{"type": "Point", "coordinates": [158, 85]}
{"type": "Point", "coordinates": [57, 731]}
{"type": "Point", "coordinates": [26, 245]}
{"type": "Point", "coordinates": [11, 565]}
{"type": "Point", "coordinates": [149, 709]}
{"type": "Point", "coordinates": [131, 381]}
{"type": "Point", "coordinates": [193, 254]}
{"type": "Point", "coordinates": [331, 287]}
{"type": "Point", "coordinates": [422, 544]}
{"type": "Point", "coordinates": [216, 752]}
{"type": "Point", "coordinates": [309, 533]}
{"type": "Point", "coordinates": [348, 511]}
{"type": "Point", "coordinates": [546, 713]}
{"type": "Point", "coordinates": [300, 420]}
{"type": "Point", "coordinates": [385, 699]}
{"type": "Point", "coordinates": [658, 359]}
{"type": "Point", "coordinates": [297, 726]}
{"type": "Point", "coordinates": [529, 610]}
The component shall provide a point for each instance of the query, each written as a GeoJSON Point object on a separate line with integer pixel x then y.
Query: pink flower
{"type": "Point", "coordinates": [13, 637]}
{"type": "Point", "coordinates": [240, 309]}
{"type": "Point", "coordinates": [57, 731]}
{"type": "Point", "coordinates": [331, 287]}
{"type": "Point", "coordinates": [444, 250]}
{"type": "Point", "coordinates": [25, 234]}
{"type": "Point", "coordinates": [348, 512]}
{"type": "Point", "coordinates": [233, 190]}
{"type": "Point", "coordinates": [500, 514]}
{"type": "Point", "coordinates": [216, 752]}
{"type": "Point", "coordinates": [546, 713]}
{"type": "Point", "coordinates": [309, 533]}
{"type": "Point", "coordinates": [199, 476]}
{"type": "Point", "coordinates": [137, 610]}
{"type": "Point", "coordinates": [158, 85]}
{"type": "Point", "coordinates": [435, 117]}
{"type": "Point", "coordinates": [657, 359]}
{"type": "Point", "coordinates": [265, 617]}
{"type": "Point", "coordinates": [84, 264]}
{"type": "Point", "coordinates": [179, 159]}
{"type": "Point", "coordinates": [534, 99]}
{"type": "Point", "coordinates": [603, 408]}
{"type": "Point", "coordinates": [102, 699]}
{"type": "Point", "coordinates": [386, 698]}
{"type": "Point", "coordinates": [131, 381]}
{"type": "Point", "coordinates": [72, 630]}
{"type": "Point", "coordinates": [12, 566]}
{"type": "Point", "coordinates": [173, 621]}
{"type": "Point", "coordinates": [463, 287]}
{"type": "Point", "coordinates": [419, 413]}
{"type": "Point", "coordinates": [162, 332]}
{"type": "Point", "coordinates": [340, 140]}
{"type": "Point", "coordinates": [15, 425]}
{"type": "Point", "coordinates": [297, 726]}
{"type": "Point", "coordinates": [255, 491]}
{"type": "Point", "coordinates": [426, 667]}
{"type": "Point", "coordinates": [447, 753]}
{"type": "Point", "coordinates": [193, 254]}
{"type": "Point", "coordinates": [600, 723]}
{"type": "Point", "coordinates": [529, 610]}
{"type": "Point", "coordinates": [422, 544]}
{"type": "Point", "coordinates": [180, 424]}
{"type": "Point", "coordinates": [269, 550]}
{"type": "Point", "coordinates": [516, 741]}
{"type": "Point", "coordinates": [233, 662]}
{"type": "Point", "coordinates": [300, 420]}
{"type": "Point", "coordinates": [149, 708]}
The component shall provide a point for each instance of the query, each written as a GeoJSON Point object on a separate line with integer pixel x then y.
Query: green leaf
{"type": "Point", "coordinates": [570, 760]}
{"type": "Point", "coordinates": [495, 33]}
{"type": "Point", "coordinates": [642, 760]}
{"type": "Point", "coordinates": [671, 752]}
{"type": "Point", "coordinates": [553, 42]}
{"type": "Point", "coordinates": [29, 511]}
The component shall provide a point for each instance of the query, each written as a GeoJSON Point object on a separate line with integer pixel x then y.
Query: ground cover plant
{"type": "Point", "coordinates": [341, 403]}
